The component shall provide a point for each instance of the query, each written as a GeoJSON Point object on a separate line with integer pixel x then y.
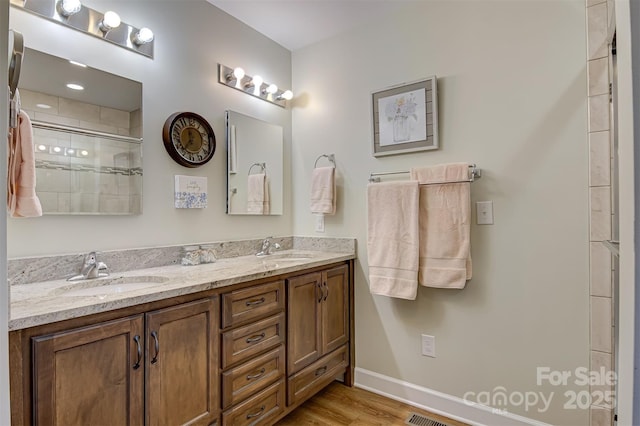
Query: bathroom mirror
{"type": "Point", "coordinates": [254, 147]}
{"type": "Point", "coordinates": [87, 128]}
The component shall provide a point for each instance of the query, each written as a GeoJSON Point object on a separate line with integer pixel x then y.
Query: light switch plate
{"type": "Point", "coordinates": [484, 212]}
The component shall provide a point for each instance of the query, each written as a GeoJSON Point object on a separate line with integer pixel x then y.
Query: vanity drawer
{"type": "Point", "coordinates": [244, 342]}
{"type": "Point", "coordinates": [317, 375]}
{"type": "Point", "coordinates": [241, 382]}
{"type": "Point", "coordinates": [261, 408]}
{"type": "Point", "coordinates": [250, 303]}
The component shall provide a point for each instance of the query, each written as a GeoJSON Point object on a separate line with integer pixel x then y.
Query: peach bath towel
{"type": "Point", "coordinates": [392, 238]}
{"type": "Point", "coordinates": [323, 190]}
{"type": "Point", "coordinates": [22, 200]}
{"type": "Point", "coordinates": [445, 230]}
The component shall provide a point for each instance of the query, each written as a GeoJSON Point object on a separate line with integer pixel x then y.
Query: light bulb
{"type": "Point", "coordinates": [71, 151]}
{"type": "Point", "coordinates": [287, 95]}
{"type": "Point", "coordinates": [272, 88]}
{"type": "Point", "coordinates": [143, 36]}
{"type": "Point", "coordinates": [257, 81]}
{"type": "Point", "coordinates": [84, 153]}
{"type": "Point", "coordinates": [42, 147]}
{"type": "Point", "coordinates": [238, 73]}
{"type": "Point", "coordinates": [75, 86]}
{"type": "Point", "coordinates": [69, 7]}
{"type": "Point", "coordinates": [57, 149]}
{"type": "Point", "coordinates": [110, 21]}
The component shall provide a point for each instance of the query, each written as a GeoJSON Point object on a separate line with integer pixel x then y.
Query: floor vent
{"type": "Point", "coordinates": [420, 420]}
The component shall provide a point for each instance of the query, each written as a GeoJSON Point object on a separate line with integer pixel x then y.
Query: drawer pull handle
{"type": "Point", "coordinates": [255, 338]}
{"type": "Point", "coordinates": [321, 291]}
{"type": "Point", "coordinates": [255, 302]}
{"type": "Point", "coordinates": [320, 371]}
{"type": "Point", "coordinates": [255, 376]}
{"type": "Point", "coordinates": [326, 288]}
{"type": "Point", "coordinates": [256, 414]}
{"type": "Point", "coordinates": [157, 347]}
{"type": "Point", "coordinates": [137, 364]}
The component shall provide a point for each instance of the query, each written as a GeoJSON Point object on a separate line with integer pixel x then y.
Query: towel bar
{"type": "Point", "coordinates": [474, 174]}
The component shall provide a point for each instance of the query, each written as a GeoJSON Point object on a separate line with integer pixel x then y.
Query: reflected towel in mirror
{"type": "Point", "coordinates": [258, 194]}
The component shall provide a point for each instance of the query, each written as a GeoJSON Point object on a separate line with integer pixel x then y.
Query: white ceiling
{"type": "Point", "coordinates": [298, 23]}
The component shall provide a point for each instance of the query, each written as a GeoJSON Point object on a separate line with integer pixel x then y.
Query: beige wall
{"type": "Point", "coordinates": [512, 82]}
{"type": "Point", "coordinates": [191, 38]}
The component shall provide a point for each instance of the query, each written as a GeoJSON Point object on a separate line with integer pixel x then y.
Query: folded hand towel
{"type": "Point", "coordinates": [323, 190]}
{"type": "Point", "coordinates": [257, 194]}
{"type": "Point", "coordinates": [445, 213]}
{"type": "Point", "coordinates": [392, 238]}
{"type": "Point", "coordinates": [22, 200]}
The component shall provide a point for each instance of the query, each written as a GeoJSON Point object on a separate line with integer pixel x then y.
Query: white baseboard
{"type": "Point", "coordinates": [438, 402]}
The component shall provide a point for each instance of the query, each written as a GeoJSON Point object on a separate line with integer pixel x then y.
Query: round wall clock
{"type": "Point", "coordinates": [189, 139]}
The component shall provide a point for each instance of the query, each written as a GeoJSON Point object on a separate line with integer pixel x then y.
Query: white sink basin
{"type": "Point", "coordinates": [109, 286]}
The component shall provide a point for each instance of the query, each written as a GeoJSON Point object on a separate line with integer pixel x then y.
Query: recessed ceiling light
{"type": "Point", "coordinates": [43, 106]}
{"type": "Point", "coordinates": [75, 86]}
{"type": "Point", "coordinates": [79, 64]}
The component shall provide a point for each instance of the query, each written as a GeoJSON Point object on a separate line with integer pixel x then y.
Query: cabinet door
{"type": "Point", "coordinates": [91, 375]}
{"type": "Point", "coordinates": [182, 374]}
{"type": "Point", "coordinates": [303, 332]}
{"type": "Point", "coordinates": [335, 308]}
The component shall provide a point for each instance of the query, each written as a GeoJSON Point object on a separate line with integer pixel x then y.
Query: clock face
{"type": "Point", "coordinates": [189, 139]}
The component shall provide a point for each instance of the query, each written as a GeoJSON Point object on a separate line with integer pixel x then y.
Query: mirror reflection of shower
{"type": "Point", "coordinates": [87, 136]}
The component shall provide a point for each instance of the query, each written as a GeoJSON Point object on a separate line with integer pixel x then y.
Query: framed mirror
{"type": "Point", "coordinates": [87, 128]}
{"type": "Point", "coordinates": [254, 166]}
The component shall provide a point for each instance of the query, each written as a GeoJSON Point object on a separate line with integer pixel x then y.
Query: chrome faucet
{"type": "Point", "coordinates": [267, 247]}
{"type": "Point", "coordinates": [91, 268]}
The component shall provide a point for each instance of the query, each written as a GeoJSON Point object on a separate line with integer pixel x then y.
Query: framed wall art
{"type": "Point", "coordinates": [405, 118]}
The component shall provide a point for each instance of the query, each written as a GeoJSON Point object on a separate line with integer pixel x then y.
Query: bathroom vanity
{"type": "Point", "coordinates": [241, 341]}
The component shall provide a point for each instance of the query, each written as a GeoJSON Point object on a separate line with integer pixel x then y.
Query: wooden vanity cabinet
{"type": "Point", "coordinates": [108, 372]}
{"type": "Point", "coordinates": [246, 354]}
{"type": "Point", "coordinates": [90, 375]}
{"type": "Point", "coordinates": [319, 324]}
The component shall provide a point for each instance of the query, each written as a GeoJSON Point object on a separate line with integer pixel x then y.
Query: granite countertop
{"type": "Point", "coordinates": [50, 301]}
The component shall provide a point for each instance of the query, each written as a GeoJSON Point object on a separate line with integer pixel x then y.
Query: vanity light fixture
{"type": "Point", "coordinates": [110, 21]}
{"type": "Point", "coordinates": [67, 8]}
{"type": "Point", "coordinates": [106, 26]}
{"type": "Point", "coordinates": [254, 86]}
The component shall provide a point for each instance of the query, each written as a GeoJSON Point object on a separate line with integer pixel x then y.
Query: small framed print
{"type": "Point", "coordinates": [405, 118]}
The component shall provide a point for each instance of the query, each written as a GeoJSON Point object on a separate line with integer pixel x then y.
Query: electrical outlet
{"type": "Point", "coordinates": [428, 345]}
{"type": "Point", "coordinates": [319, 223]}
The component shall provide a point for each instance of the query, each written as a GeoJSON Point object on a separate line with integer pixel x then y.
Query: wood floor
{"type": "Point", "coordinates": [340, 405]}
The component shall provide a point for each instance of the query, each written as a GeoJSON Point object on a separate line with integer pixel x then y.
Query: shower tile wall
{"type": "Point", "coordinates": [599, 13]}
{"type": "Point", "coordinates": [86, 191]}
